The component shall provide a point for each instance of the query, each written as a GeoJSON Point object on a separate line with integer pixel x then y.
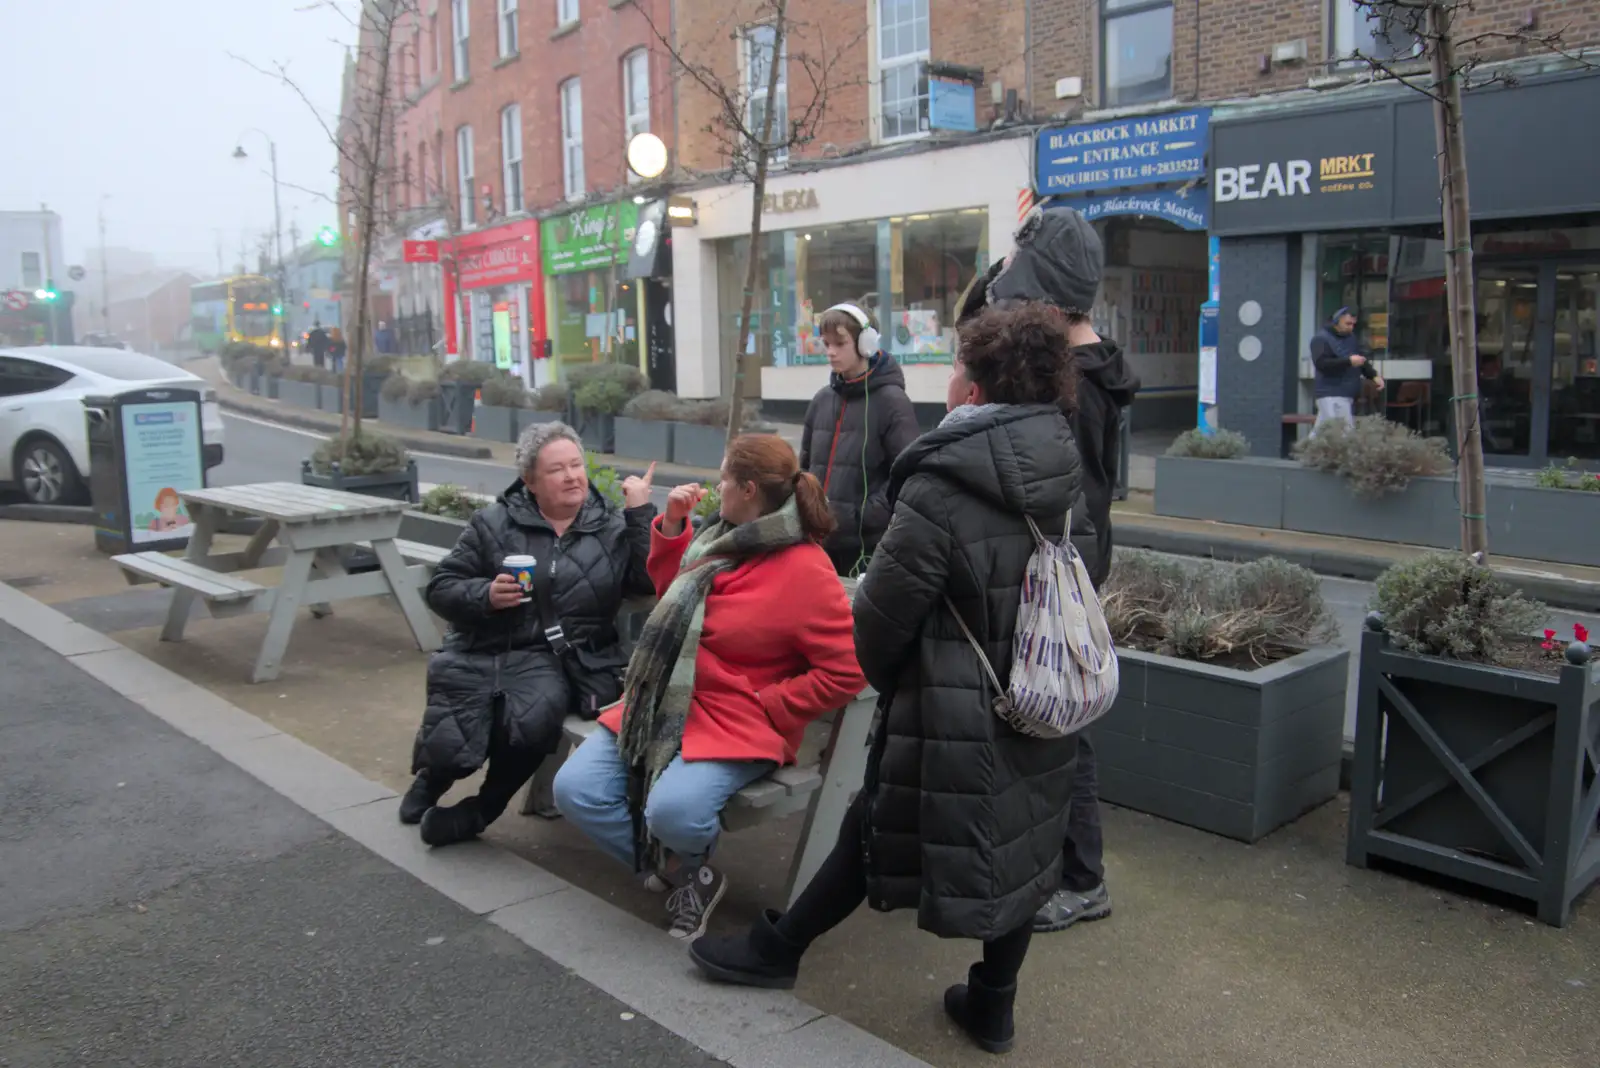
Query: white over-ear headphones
{"type": "Point", "coordinates": [868, 341]}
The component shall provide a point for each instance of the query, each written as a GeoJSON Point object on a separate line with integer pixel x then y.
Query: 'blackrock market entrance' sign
{"type": "Point", "coordinates": [1143, 150]}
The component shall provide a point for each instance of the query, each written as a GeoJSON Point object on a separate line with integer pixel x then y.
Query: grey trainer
{"type": "Point", "coordinates": [1067, 907]}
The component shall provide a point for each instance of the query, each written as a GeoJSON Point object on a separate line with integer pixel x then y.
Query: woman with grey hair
{"type": "Point", "coordinates": [506, 678]}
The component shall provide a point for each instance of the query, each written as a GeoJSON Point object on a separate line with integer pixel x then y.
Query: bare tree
{"type": "Point", "coordinates": [755, 124]}
{"type": "Point", "coordinates": [1454, 64]}
{"type": "Point", "coordinates": [363, 138]}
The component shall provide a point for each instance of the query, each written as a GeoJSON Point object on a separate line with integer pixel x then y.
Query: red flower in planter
{"type": "Point", "coordinates": [1549, 644]}
{"type": "Point", "coordinates": [1580, 632]}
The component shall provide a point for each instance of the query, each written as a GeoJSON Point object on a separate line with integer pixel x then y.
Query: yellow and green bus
{"type": "Point", "coordinates": [243, 307]}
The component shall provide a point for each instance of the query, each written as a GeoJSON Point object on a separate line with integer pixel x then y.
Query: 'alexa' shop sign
{"type": "Point", "coordinates": [1290, 173]}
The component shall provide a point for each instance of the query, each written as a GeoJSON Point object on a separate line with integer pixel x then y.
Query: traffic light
{"type": "Point", "coordinates": [277, 309]}
{"type": "Point", "coordinates": [327, 237]}
{"type": "Point", "coordinates": [48, 293]}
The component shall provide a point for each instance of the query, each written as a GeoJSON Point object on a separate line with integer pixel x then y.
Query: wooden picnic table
{"type": "Point", "coordinates": [310, 526]}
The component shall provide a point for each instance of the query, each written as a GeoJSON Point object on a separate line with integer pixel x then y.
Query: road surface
{"type": "Point", "coordinates": [161, 906]}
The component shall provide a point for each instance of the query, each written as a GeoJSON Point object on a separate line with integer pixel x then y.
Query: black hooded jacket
{"type": "Point", "coordinates": [1059, 260]}
{"type": "Point", "coordinates": [964, 816]}
{"type": "Point", "coordinates": [600, 561]}
{"type": "Point", "coordinates": [854, 429]}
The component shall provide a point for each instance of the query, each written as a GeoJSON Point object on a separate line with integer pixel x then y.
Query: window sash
{"type": "Point", "coordinates": [508, 28]}
{"type": "Point", "coordinates": [566, 12]}
{"type": "Point", "coordinates": [511, 157]}
{"type": "Point", "coordinates": [464, 176]}
{"type": "Point", "coordinates": [905, 39]}
{"type": "Point", "coordinates": [461, 29]}
{"type": "Point", "coordinates": [636, 93]}
{"type": "Point", "coordinates": [758, 42]}
{"type": "Point", "coordinates": [1113, 13]}
{"type": "Point", "coordinates": [574, 180]}
{"type": "Point", "coordinates": [32, 267]}
{"type": "Point", "coordinates": [1352, 28]}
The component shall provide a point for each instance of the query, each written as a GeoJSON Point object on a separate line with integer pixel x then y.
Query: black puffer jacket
{"type": "Point", "coordinates": [1106, 385]}
{"type": "Point", "coordinates": [853, 431]}
{"type": "Point", "coordinates": [964, 817]}
{"type": "Point", "coordinates": [600, 562]}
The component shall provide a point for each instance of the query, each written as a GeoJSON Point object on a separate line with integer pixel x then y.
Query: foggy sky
{"type": "Point", "coordinates": [142, 101]}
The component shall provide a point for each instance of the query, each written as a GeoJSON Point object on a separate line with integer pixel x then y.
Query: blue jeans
{"type": "Point", "coordinates": [591, 790]}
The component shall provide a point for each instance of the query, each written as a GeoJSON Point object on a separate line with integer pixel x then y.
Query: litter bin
{"type": "Point", "coordinates": [145, 448]}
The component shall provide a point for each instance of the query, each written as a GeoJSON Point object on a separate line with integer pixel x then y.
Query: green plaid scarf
{"type": "Point", "coordinates": [660, 676]}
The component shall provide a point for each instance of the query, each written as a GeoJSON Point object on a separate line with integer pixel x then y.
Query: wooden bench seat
{"type": "Point", "coordinates": [213, 586]}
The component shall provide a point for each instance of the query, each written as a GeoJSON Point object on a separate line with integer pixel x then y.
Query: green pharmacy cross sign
{"type": "Point", "coordinates": [589, 238]}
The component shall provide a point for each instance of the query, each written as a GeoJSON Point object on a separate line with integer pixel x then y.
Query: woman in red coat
{"type": "Point", "coordinates": [751, 640]}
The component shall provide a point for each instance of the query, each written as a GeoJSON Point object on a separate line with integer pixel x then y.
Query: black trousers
{"type": "Point", "coordinates": [840, 886]}
{"type": "Point", "coordinates": [507, 770]}
{"type": "Point", "coordinates": [1083, 852]}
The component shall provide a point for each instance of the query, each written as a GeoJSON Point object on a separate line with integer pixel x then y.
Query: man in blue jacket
{"type": "Point", "coordinates": [1340, 366]}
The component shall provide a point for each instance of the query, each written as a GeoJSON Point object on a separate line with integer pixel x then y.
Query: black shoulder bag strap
{"type": "Point", "coordinates": [544, 570]}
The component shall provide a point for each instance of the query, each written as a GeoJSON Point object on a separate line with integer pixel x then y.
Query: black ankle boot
{"type": "Point", "coordinates": [759, 957]}
{"type": "Point", "coordinates": [422, 796]}
{"type": "Point", "coordinates": [455, 823]}
{"type": "Point", "coordinates": [983, 1012]}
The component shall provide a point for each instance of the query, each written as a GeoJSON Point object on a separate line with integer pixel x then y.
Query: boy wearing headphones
{"type": "Point", "coordinates": [855, 427]}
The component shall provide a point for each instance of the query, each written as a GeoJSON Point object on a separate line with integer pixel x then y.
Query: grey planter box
{"type": "Point", "coordinates": [255, 380]}
{"type": "Point", "coordinates": [331, 399]}
{"type": "Point", "coordinates": [455, 407]}
{"type": "Point", "coordinates": [300, 394]}
{"type": "Point", "coordinates": [644, 439]}
{"type": "Point", "coordinates": [598, 431]}
{"type": "Point", "coordinates": [492, 423]}
{"type": "Point", "coordinates": [1230, 491]}
{"type": "Point", "coordinates": [272, 383]}
{"type": "Point", "coordinates": [1480, 774]}
{"type": "Point", "coordinates": [1424, 513]}
{"type": "Point", "coordinates": [1544, 524]}
{"type": "Point", "coordinates": [439, 531]}
{"type": "Point", "coordinates": [371, 393]}
{"type": "Point", "coordinates": [1236, 753]}
{"type": "Point", "coordinates": [424, 416]}
{"type": "Point", "coordinates": [694, 445]}
{"type": "Point", "coordinates": [391, 485]}
{"type": "Point", "coordinates": [527, 417]}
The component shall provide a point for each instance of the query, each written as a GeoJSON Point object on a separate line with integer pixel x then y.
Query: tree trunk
{"type": "Point", "coordinates": [758, 190]}
{"type": "Point", "coordinates": [371, 152]}
{"type": "Point", "coordinates": [1460, 302]}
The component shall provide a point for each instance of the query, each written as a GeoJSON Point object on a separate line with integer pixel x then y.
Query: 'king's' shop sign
{"type": "Point", "coordinates": [1145, 150]}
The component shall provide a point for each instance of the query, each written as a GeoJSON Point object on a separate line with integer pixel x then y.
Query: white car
{"type": "Point", "coordinates": [44, 443]}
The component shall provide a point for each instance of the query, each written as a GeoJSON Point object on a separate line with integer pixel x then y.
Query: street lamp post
{"type": "Point", "coordinates": [277, 231]}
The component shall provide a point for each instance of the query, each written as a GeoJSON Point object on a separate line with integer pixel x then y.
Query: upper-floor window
{"type": "Point", "coordinates": [566, 12]}
{"type": "Point", "coordinates": [460, 30]}
{"type": "Point", "coordinates": [1136, 51]}
{"type": "Point", "coordinates": [572, 177]}
{"type": "Point", "coordinates": [511, 157]}
{"type": "Point", "coordinates": [1356, 30]}
{"type": "Point", "coordinates": [32, 271]}
{"type": "Point", "coordinates": [508, 28]}
{"type": "Point", "coordinates": [757, 62]}
{"type": "Point", "coordinates": [464, 177]}
{"type": "Point", "coordinates": [635, 98]}
{"type": "Point", "coordinates": [423, 193]}
{"type": "Point", "coordinates": [903, 67]}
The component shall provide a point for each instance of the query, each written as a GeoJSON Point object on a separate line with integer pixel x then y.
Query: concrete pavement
{"type": "Point", "coordinates": [163, 904]}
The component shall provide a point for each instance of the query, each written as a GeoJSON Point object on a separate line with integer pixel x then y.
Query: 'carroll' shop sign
{"type": "Point", "coordinates": [589, 238]}
{"type": "Point", "coordinates": [1145, 150]}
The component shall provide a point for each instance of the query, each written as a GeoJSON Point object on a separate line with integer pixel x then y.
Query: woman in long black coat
{"type": "Point", "coordinates": [960, 817]}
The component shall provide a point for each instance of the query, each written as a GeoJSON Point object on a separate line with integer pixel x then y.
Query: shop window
{"type": "Point", "coordinates": [907, 272]}
{"type": "Point", "coordinates": [1136, 51]}
{"type": "Point", "coordinates": [511, 157]}
{"type": "Point", "coordinates": [1356, 30]}
{"type": "Point", "coordinates": [573, 181]}
{"type": "Point", "coordinates": [635, 98]}
{"type": "Point", "coordinates": [464, 178]}
{"type": "Point", "coordinates": [508, 28]}
{"type": "Point", "coordinates": [757, 59]}
{"type": "Point", "coordinates": [460, 29]}
{"type": "Point", "coordinates": [903, 68]}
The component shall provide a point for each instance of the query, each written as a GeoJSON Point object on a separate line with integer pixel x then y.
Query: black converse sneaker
{"type": "Point", "coordinates": [690, 905]}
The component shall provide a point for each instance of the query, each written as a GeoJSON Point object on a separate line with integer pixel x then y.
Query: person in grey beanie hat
{"type": "Point", "coordinates": [1059, 260]}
